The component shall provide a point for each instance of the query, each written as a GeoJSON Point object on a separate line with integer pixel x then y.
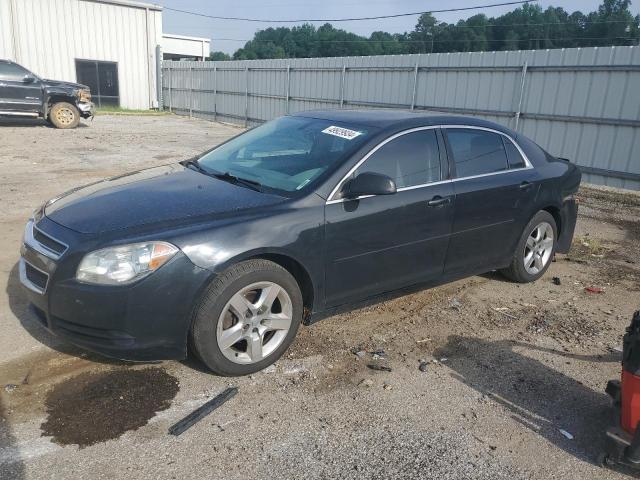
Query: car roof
{"type": "Point", "coordinates": [392, 119]}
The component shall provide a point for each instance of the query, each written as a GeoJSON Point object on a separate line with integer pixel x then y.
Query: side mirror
{"type": "Point", "coordinates": [369, 183]}
{"type": "Point", "coordinates": [28, 79]}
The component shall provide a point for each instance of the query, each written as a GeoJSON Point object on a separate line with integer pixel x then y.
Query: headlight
{"type": "Point", "coordinates": [84, 95]}
{"type": "Point", "coordinates": [125, 264]}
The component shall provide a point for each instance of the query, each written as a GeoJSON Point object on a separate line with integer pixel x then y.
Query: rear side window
{"type": "Point", "coordinates": [513, 154]}
{"type": "Point", "coordinates": [12, 72]}
{"type": "Point", "coordinates": [476, 152]}
{"type": "Point", "coordinates": [411, 159]}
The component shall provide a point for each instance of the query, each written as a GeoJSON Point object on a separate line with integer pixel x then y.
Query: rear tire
{"type": "Point", "coordinates": [535, 249]}
{"type": "Point", "coordinates": [247, 318]}
{"type": "Point", "coordinates": [64, 115]}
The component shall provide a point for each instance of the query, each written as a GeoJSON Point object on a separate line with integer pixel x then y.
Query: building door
{"type": "Point", "coordinates": [102, 79]}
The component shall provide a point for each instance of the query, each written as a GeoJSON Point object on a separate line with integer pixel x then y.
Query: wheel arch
{"type": "Point", "coordinates": [557, 217]}
{"type": "Point", "coordinates": [299, 271]}
{"type": "Point", "coordinates": [58, 98]}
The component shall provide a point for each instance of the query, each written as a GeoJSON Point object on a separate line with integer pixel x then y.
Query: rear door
{"type": "Point", "coordinates": [16, 94]}
{"type": "Point", "coordinates": [380, 243]}
{"type": "Point", "coordinates": [494, 186]}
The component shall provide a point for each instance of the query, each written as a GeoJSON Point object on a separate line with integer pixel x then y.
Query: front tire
{"type": "Point", "coordinates": [64, 115]}
{"type": "Point", "coordinates": [247, 318]}
{"type": "Point", "coordinates": [535, 249]}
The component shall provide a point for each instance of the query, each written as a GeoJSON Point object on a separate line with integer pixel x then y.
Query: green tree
{"type": "Point", "coordinates": [526, 27]}
{"type": "Point", "coordinates": [218, 56]}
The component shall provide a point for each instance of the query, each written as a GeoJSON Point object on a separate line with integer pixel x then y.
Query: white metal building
{"type": "Point", "coordinates": [180, 47]}
{"type": "Point", "coordinates": [110, 45]}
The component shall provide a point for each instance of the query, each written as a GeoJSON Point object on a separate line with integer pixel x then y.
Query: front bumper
{"type": "Point", "coordinates": [147, 320]}
{"type": "Point", "coordinates": [87, 109]}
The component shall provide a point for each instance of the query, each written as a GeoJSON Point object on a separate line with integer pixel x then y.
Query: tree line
{"type": "Point", "coordinates": [526, 27]}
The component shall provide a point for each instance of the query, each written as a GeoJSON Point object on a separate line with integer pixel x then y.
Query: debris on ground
{"type": "Point", "coordinates": [456, 304]}
{"type": "Point", "coordinates": [381, 368]}
{"type": "Point", "coordinates": [202, 411]}
{"type": "Point", "coordinates": [377, 354]}
{"type": "Point", "coordinates": [366, 383]}
{"type": "Point", "coordinates": [566, 434]}
{"type": "Point", "coordinates": [423, 366]}
{"type": "Point", "coordinates": [556, 281]}
{"type": "Point", "coordinates": [10, 387]}
{"type": "Point", "coordinates": [594, 290]}
{"type": "Point", "coordinates": [387, 386]}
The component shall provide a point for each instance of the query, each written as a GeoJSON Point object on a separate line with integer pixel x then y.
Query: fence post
{"type": "Point", "coordinates": [246, 96]}
{"type": "Point", "coordinates": [215, 92]}
{"type": "Point", "coordinates": [288, 85]}
{"type": "Point", "coordinates": [522, 82]}
{"type": "Point", "coordinates": [170, 81]}
{"type": "Point", "coordinates": [190, 92]}
{"type": "Point", "coordinates": [342, 80]}
{"type": "Point", "coordinates": [415, 85]}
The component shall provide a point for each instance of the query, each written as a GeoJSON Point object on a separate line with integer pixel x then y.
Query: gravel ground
{"type": "Point", "coordinates": [506, 366]}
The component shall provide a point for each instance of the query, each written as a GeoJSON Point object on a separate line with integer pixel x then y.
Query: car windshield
{"type": "Point", "coordinates": [285, 154]}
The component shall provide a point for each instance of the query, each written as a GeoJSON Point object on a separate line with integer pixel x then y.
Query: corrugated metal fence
{"type": "Point", "coordinates": [582, 104]}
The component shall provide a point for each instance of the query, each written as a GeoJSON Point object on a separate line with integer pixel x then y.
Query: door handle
{"type": "Point", "coordinates": [526, 185]}
{"type": "Point", "coordinates": [438, 201]}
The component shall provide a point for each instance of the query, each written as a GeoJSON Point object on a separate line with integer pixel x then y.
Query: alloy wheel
{"type": "Point", "coordinates": [254, 322]}
{"type": "Point", "coordinates": [539, 248]}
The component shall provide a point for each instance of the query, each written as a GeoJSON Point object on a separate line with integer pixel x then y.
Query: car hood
{"type": "Point", "coordinates": [161, 194]}
{"type": "Point", "coordinates": [59, 83]}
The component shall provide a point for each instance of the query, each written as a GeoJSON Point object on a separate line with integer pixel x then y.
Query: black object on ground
{"type": "Point", "coordinates": [382, 368]}
{"type": "Point", "coordinates": [423, 366]}
{"type": "Point", "coordinates": [201, 412]}
{"type": "Point", "coordinates": [556, 280]}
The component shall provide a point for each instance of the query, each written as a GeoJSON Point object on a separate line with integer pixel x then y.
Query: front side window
{"type": "Point", "coordinates": [476, 152]}
{"type": "Point", "coordinates": [286, 154]}
{"type": "Point", "coordinates": [12, 72]}
{"type": "Point", "coordinates": [411, 159]}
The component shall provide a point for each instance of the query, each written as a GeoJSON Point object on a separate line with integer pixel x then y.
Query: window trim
{"type": "Point", "coordinates": [336, 189]}
{"type": "Point", "coordinates": [528, 164]}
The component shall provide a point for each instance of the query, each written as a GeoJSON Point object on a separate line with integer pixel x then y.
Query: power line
{"type": "Point", "coordinates": [355, 19]}
{"type": "Point", "coordinates": [367, 40]}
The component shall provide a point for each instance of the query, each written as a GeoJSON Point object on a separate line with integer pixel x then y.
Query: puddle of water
{"type": "Point", "coordinates": [95, 407]}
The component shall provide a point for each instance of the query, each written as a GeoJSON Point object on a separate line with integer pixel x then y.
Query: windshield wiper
{"type": "Point", "coordinates": [227, 177]}
{"type": "Point", "coordinates": [194, 165]}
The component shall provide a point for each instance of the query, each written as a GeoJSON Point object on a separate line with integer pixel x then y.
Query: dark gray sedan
{"type": "Point", "coordinates": [228, 253]}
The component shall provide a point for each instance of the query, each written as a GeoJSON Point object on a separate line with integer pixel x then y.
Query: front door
{"type": "Point", "coordinates": [494, 186]}
{"type": "Point", "coordinates": [381, 243]}
{"type": "Point", "coordinates": [20, 90]}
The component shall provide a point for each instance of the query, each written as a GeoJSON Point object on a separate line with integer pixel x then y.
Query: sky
{"type": "Point", "coordinates": [183, 24]}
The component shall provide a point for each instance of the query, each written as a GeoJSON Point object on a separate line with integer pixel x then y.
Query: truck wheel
{"type": "Point", "coordinates": [535, 249]}
{"type": "Point", "coordinates": [64, 115]}
{"type": "Point", "coordinates": [247, 318]}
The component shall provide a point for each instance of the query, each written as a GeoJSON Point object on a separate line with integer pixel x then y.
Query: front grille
{"type": "Point", "coordinates": [48, 242]}
{"type": "Point", "coordinates": [36, 277]}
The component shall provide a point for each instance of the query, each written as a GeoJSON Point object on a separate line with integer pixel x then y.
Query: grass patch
{"type": "Point", "coordinates": [127, 111]}
{"type": "Point", "coordinates": [589, 246]}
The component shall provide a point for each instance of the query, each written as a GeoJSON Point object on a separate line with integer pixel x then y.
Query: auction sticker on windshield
{"type": "Point", "coordinates": [341, 132]}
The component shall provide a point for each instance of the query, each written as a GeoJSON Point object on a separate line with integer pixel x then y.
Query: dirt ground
{"type": "Point", "coordinates": [506, 366]}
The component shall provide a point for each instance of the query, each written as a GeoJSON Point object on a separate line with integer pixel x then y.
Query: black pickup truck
{"type": "Point", "coordinates": [24, 94]}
